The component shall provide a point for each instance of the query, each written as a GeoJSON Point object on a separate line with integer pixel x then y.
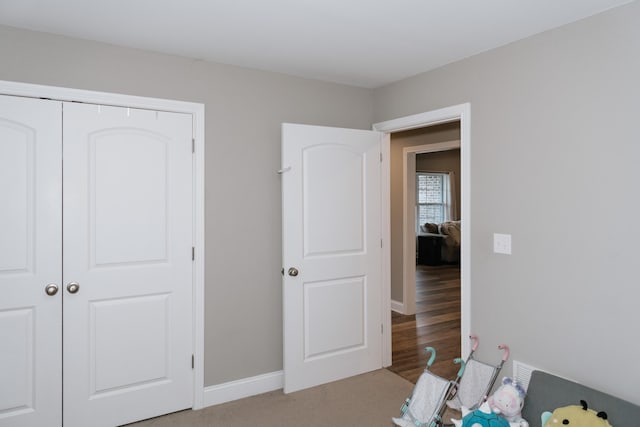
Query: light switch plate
{"type": "Point", "coordinates": [502, 243]}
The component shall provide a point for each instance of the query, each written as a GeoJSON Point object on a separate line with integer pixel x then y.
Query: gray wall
{"type": "Point", "coordinates": [430, 135]}
{"type": "Point", "coordinates": [244, 110]}
{"type": "Point", "coordinates": [555, 145]}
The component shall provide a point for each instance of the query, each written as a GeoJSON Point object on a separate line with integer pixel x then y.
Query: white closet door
{"type": "Point", "coordinates": [127, 248]}
{"type": "Point", "coordinates": [30, 259]}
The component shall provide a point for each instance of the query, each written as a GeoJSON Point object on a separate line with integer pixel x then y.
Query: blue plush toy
{"type": "Point", "coordinates": [482, 417]}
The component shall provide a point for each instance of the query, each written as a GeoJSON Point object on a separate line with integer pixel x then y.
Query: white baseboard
{"type": "Point", "coordinates": [398, 307]}
{"type": "Point", "coordinates": [234, 390]}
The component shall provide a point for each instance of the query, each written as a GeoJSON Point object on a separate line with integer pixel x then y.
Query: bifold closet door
{"type": "Point", "coordinates": [119, 257]}
{"type": "Point", "coordinates": [127, 264]}
{"type": "Point", "coordinates": [30, 262]}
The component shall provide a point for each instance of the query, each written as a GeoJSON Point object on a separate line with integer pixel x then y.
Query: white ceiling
{"type": "Point", "coordinates": [366, 43]}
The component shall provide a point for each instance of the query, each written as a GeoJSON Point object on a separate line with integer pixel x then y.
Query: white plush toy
{"type": "Point", "coordinates": [507, 401]}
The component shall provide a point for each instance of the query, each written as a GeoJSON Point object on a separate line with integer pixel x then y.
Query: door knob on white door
{"type": "Point", "coordinates": [293, 272]}
{"type": "Point", "coordinates": [51, 289]}
{"type": "Point", "coordinates": [73, 287]}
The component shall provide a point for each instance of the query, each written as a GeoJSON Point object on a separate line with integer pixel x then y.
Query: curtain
{"type": "Point", "coordinates": [450, 197]}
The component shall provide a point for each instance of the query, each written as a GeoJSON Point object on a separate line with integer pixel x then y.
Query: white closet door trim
{"type": "Point", "coordinates": [197, 110]}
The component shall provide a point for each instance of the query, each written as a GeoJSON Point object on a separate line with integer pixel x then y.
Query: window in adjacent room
{"type": "Point", "coordinates": [431, 197]}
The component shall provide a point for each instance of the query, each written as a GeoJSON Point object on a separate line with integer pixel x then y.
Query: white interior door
{"type": "Point", "coordinates": [30, 260]}
{"type": "Point", "coordinates": [128, 336]}
{"type": "Point", "coordinates": [332, 254]}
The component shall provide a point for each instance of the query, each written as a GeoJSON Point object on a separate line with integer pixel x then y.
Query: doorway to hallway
{"type": "Point", "coordinates": [430, 309]}
{"type": "Point", "coordinates": [396, 289]}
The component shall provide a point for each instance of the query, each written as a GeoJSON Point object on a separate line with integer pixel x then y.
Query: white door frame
{"type": "Point", "coordinates": [197, 110]}
{"type": "Point", "coordinates": [462, 113]}
{"type": "Point", "coordinates": [408, 305]}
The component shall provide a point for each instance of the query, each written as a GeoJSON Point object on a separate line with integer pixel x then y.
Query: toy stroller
{"type": "Point", "coordinates": [432, 394]}
{"type": "Point", "coordinates": [425, 406]}
{"type": "Point", "coordinates": [477, 381]}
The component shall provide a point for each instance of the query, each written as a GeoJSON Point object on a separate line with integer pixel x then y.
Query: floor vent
{"type": "Point", "coordinates": [522, 373]}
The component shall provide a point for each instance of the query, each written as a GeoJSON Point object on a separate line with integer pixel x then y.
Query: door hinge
{"type": "Point", "coordinates": [380, 242]}
{"type": "Point", "coordinates": [193, 253]}
{"type": "Point", "coordinates": [193, 145]}
{"type": "Point", "coordinates": [380, 157]}
{"type": "Point", "coordinates": [381, 328]}
{"type": "Point", "coordinates": [193, 361]}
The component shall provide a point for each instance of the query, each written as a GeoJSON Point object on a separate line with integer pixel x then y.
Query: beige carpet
{"type": "Point", "coordinates": [368, 400]}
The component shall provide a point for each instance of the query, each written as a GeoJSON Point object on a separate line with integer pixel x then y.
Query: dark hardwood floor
{"type": "Point", "coordinates": [436, 324]}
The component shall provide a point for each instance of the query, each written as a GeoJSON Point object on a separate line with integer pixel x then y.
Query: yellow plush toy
{"type": "Point", "coordinates": [575, 416]}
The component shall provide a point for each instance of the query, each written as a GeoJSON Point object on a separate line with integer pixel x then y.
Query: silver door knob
{"type": "Point", "coordinates": [51, 289]}
{"type": "Point", "coordinates": [73, 287]}
{"type": "Point", "coordinates": [293, 272]}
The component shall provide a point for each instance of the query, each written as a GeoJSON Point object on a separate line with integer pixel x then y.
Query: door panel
{"type": "Point", "coordinates": [128, 239]}
{"type": "Point", "coordinates": [327, 230]}
{"type": "Point", "coordinates": [331, 235]}
{"type": "Point", "coordinates": [30, 259]}
{"type": "Point", "coordinates": [126, 227]}
{"type": "Point", "coordinates": [17, 332]}
{"type": "Point", "coordinates": [119, 322]}
{"type": "Point", "coordinates": [343, 327]}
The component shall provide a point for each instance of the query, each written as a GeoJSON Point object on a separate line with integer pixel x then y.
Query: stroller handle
{"type": "Point", "coordinates": [433, 355]}
{"type": "Point", "coordinates": [506, 350]}
{"type": "Point", "coordinates": [474, 342]}
{"type": "Point", "coordinates": [462, 363]}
